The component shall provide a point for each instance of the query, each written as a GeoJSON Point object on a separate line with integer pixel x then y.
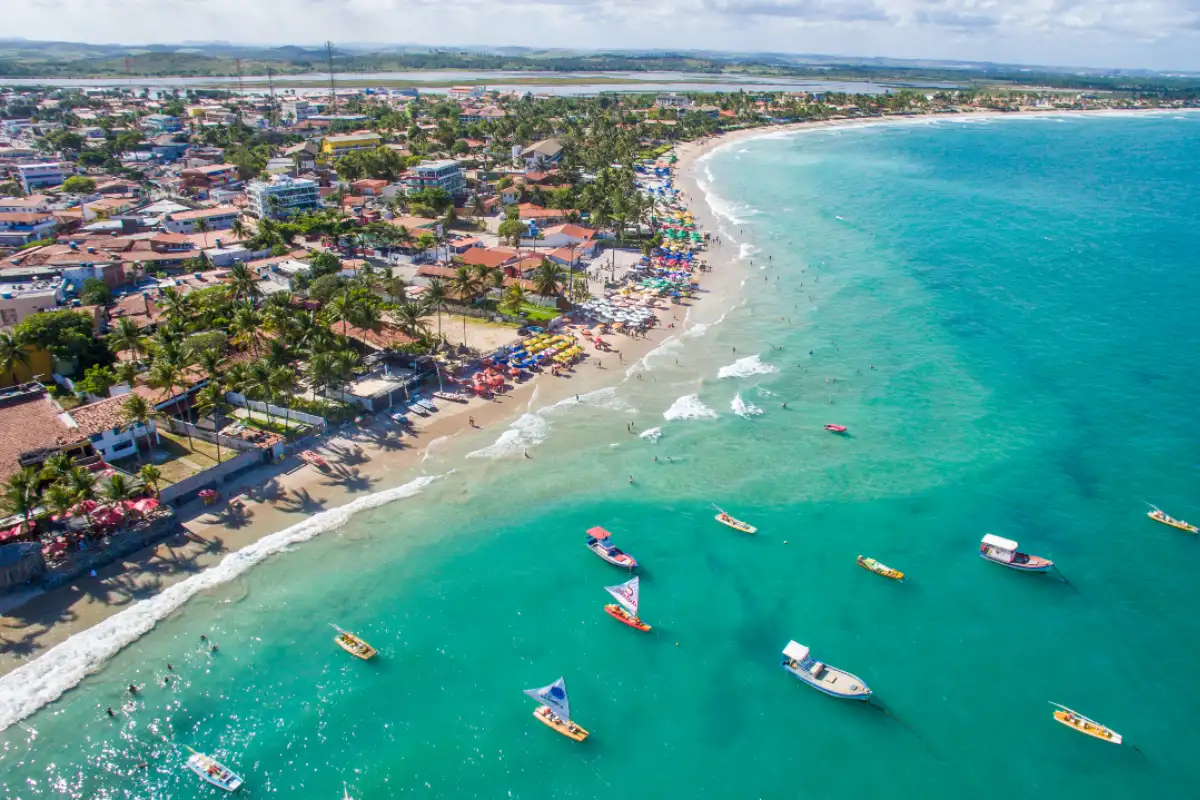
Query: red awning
{"type": "Point", "coordinates": [12, 533]}
{"type": "Point", "coordinates": [598, 532]}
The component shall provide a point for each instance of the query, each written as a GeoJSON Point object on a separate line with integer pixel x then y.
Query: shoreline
{"type": "Point", "coordinates": [283, 506]}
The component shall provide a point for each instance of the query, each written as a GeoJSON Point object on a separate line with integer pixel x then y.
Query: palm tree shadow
{"type": "Point", "coordinates": [351, 479]}
{"type": "Point", "coordinates": [301, 502]}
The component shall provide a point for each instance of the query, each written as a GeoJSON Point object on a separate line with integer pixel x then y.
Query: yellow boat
{"type": "Point", "coordinates": [1158, 516]}
{"type": "Point", "coordinates": [880, 569]}
{"type": "Point", "coordinates": [736, 524]}
{"type": "Point", "coordinates": [352, 644]}
{"type": "Point", "coordinates": [1077, 721]}
{"type": "Point", "coordinates": [555, 710]}
{"type": "Point", "coordinates": [571, 730]}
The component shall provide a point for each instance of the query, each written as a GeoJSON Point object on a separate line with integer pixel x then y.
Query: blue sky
{"type": "Point", "coordinates": [1156, 34]}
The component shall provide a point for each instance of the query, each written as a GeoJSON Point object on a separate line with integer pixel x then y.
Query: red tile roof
{"type": "Point", "coordinates": [100, 416]}
{"type": "Point", "coordinates": [30, 422]}
{"type": "Point", "coordinates": [490, 257]}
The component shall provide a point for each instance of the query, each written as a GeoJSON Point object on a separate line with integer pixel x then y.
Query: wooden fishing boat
{"type": "Point", "coordinates": [1004, 551]}
{"type": "Point", "coordinates": [555, 710]}
{"type": "Point", "coordinates": [736, 524]}
{"type": "Point", "coordinates": [1159, 516]}
{"type": "Point", "coordinates": [626, 608]}
{"type": "Point", "coordinates": [1077, 721]}
{"type": "Point", "coordinates": [598, 542]}
{"type": "Point", "coordinates": [835, 428]}
{"type": "Point", "coordinates": [213, 771]}
{"type": "Point", "coordinates": [822, 677]}
{"type": "Point", "coordinates": [309, 457]}
{"type": "Point", "coordinates": [880, 569]}
{"type": "Point", "coordinates": [352, 644]}
{"type": "Point", "coordinates": [453, 397]}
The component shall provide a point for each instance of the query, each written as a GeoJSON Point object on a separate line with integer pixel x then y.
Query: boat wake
{"type": "Point", "coordinates": [652, 435]}
{"type": "Point", "coordinates": [743, 409]}
{"type": "Point", "coordinates": [689, 407]}
{"type": "Point", "coordinates": [45, 679]}
{"type": "Point", "coordinates": [745, 367]}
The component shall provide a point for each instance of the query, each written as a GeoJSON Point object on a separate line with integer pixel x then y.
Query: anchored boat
{"type": "Point", "coordinates": [822, 677]}
{"type": "Point", "coordinates": [1073, 719]}
{"type": "Point", "coordinates": [352, 644]}
{"type": "Point", "coordinates": [880, 569]}
{"type": "Point", "coordinates": [736, 524]}
{"type": "Point", "coordinates": [1159, 516]}
{"type": "Point", "coordinates": [555, 711]}
{"type": "Point", "coordinates": [627, 596]}
{"type": "Point", "coordinates": [213, 771]}
{"type": "Point", "coordinates": [832, 428]}
{"type": "Point", "coordinates": [1004, 551]}
{"type": "Point", "coordinates": [598, 542]}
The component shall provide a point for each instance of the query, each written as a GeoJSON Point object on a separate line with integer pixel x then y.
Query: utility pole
{"type": "Point", "coordinates": [332, 85]}
{"type": "Point", "coordinates": [272, 116]}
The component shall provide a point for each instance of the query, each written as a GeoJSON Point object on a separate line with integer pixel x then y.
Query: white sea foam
{"type": "Point", "coordinates": [43, 680]}
{"type": "Point", "coordinates": [689, 407]}
{"type": "Point", "coordinates": [528, 430]}
{"type": "Point", "coordinates": [696, 331]}
{"type": "Point", "coordinates": [762, 392]}
{"type": "Point", "coordinates": [744, 409]}
{"type": "Point", "coordinates": [745, 250]}
{"type": "Point", "coordinates": [668, 347]}
{"type": "Point", "coordinates": [606, 398]}
{"type": "Point", "coordinates": [438, 442]}
{"type": "Point", "coordinates": [745, 367]}
{"type": "Point", "coordinates": [652, 435]}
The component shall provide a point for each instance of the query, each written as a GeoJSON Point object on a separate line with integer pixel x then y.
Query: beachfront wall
{"type": "Point", "coordinates": [188, 429]}
{"type": "Point", "coordinates": [241, 401]}
{"type": "Point", "coordinates": [187, 488]}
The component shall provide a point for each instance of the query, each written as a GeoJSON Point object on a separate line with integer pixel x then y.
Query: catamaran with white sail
{"type": "Point", "coordinates": [626, 594]}
{"type": "Point", "coordinates": [555, 711]}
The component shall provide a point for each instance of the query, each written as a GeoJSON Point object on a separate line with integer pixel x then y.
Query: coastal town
{"type": "Point", "coordinates": [203, 290]}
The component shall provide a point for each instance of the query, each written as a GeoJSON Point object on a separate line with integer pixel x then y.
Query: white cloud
{"type": "Point", "coordinates": [1130, 33]}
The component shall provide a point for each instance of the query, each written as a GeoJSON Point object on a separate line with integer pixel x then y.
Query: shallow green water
{"type": "Point", "coordinates": [1025, 290]}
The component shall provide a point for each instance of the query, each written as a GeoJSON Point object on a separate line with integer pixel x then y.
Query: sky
{"type": "Point", "coordinates": [1153, 34]}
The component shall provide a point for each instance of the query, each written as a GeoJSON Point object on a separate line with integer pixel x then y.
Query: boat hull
{"type": "Point", "coordinates": [1177, 524]}
{"type": "Point", "coordinates": [1094, 730]}
{"type": "Point", "coordinates": [231, 783]}
{"type": "Point", "coordinates": [1035, 564]}
{"type": "Point", "coordinates": [543, 716]}
{"type": "Point", "coordinates": [881, 570]}
{"type": "Point", "coordinates": [621, 615]}
{"type": "Point", "coordinates": [365, 655]}
{"type": "Point", "coordinates": [736, 524]}
{"type": "Point", "coordinates": [623, 560]}
{"type": "Point", "coordinates": [805, 678]}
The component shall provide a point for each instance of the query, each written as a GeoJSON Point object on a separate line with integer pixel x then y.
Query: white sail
{"type": "Point", "coordinates": [626, 594]}
{"type": "Point", "coordinates": [554, 696]}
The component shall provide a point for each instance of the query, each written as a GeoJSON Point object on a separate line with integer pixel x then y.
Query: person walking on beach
{"type": "Point", "coordinates": [471, 421]}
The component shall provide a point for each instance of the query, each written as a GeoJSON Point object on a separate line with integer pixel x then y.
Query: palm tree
{"type": "Point", "coordinates": [127, 337]}
{"type": "Point", "coordinates": [176, 307]}
{"type": "Point", "coordinates": [150, 475]}
{"type": "Point", "coordinates": [116, 488]}
{"type": "Point", "coordinates": [477, 209]}
{"type": "Point", "coordinates": [547, 278]}
{"type": "Point", "coordinates": [243, 283]}
{"type": "Point", "coordinates": [211, 401]}
{"type": "Point", "coordinates": [12, 354]}
{"type": "Point", "coordinates": [82, 486]}
{"type": "Point", "coordinates": [21, 495]}
{"type": "Point", "coordinates": [409, 319]}
{"type": "Point", "coordinates": [341, 309]}
{"type": "Point", "coordinates": [436, 295]}
{"type": "Point", "coordinates": [397, 289]}
{"type": "Point", "coordinates": [246, 326]}
{"type": "Point", "coordinates": [514, 299]}
{"type": "Point", "coordinates": [55, 467]}
{"type": "Point", "coordinates": [282, 383]}
{"type": "Point", "coordinates": [167, 374]}
{"type": "Point", "coordinates": [239, 229]}
{"type": "Point", "coordinates": [202, 227]}
{"type": "Point", "coordinates": [321, 372]}
{"type": "Point", "coordinates": [137, 412]}
{"type": "Point", "coordinates": [58, 500]}
{"type": "Point", "coordinates": [210, 360]}
{"type": "Point", "coordinates": [466, 284]}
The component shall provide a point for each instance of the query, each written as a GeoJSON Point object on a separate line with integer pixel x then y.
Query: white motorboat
{"type": "Point", "coordinates": [1004, 551]}
{"type": "Point", "coordinates": [822, 677]}
{"type": "Point", "coordinates": [213, 771]}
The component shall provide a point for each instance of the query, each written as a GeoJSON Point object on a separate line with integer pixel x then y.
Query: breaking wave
{"type": "Point", "coordinates": [745, 367]}
{"type": "Point", "coordinates": [743, 409]}
{"type": "Point", "coordinates": [45, 679]}
{"type": "Point", "coordinates": [652, 435]}
{"type": "Point", "coordinates": [533, 428]}
{"type": "Point", "coordinates": [689, 407]}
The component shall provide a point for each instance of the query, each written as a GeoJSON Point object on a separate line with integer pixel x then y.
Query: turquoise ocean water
{"type": "Point", "coordinates": [1026, 291]}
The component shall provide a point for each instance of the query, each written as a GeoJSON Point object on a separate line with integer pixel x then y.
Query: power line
{"type": "Point", "coordinates": [332, 85]}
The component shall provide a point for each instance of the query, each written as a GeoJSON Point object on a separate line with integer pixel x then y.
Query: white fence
{"type": "Point", "coordinates": [241, 401]}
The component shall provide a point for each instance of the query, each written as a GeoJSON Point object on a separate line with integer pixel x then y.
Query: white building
{"type": "Point", "coordinates": [445, 174]}
{"type": "Point", "coordinates": [20, 298]}
{"type": "Point", "coordinates": [217, 218]}
{"type": "Point", "coordinates": [33, 176]}
{"type": "Point", "coordinates": [672, 101]}
{"type": "Point", "coordinates": [292, 196]}
{"type": "Point", "coordinates": [104, 423]}
{"type": "Point", "coordinates": [296, 110]}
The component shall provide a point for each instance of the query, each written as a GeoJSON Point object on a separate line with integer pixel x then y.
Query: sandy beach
{"type": "Point", "coordinates": [363, 461]}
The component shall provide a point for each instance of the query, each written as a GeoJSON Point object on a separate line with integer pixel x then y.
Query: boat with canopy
{"type": "Point", "coordinates": [352, 644]}
{"type": "Point", "coordinates": [1073, 719]}
{"type": "Point", "coordinates": [213, 771]}
{"type": "Point", "coordinates": [555, 710]}
{"type": "Point", "coordinates": [598, 542]}
{"type": "Point", "coordinates": [822, 677]}
{"type": "Point", "coordinates": [1158, 515]}
{"type": "Point", "coordinates": [725, 519]}
{"type": "Point", "coordinates": [1004, 551]}
{"type": "Point", "coordinates": [626, 608]}
{"type": "Point", "coordinates": [880, 569]}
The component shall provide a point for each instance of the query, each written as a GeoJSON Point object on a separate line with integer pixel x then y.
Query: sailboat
{"type": "Point", "coordinates": [213, 771]}
{"type": "Point", "coordinates": [555, 711]}
{"type": "Point", "coordinates": [1073, 719]}
{"type": "Point", "coordinates": [626, 595]}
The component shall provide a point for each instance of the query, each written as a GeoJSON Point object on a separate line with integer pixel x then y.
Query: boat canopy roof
{"type": "Point", "coordinates": [598, 532]}
{"type": "Point", "coordinates": [796, 651]}
{"type": "Point", "coordinates": [999, 541]}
